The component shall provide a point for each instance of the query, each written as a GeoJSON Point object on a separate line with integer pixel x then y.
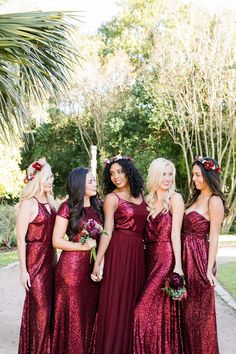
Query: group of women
{"type": "Point", "coordinates": [117, 305]}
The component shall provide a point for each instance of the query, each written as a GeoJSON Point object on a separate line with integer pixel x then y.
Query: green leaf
{"type": "Point", "coordinates": [35, 61]}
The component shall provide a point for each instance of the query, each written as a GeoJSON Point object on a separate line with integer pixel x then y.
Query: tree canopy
{"type": "Point", "coordinates": [157, 80]}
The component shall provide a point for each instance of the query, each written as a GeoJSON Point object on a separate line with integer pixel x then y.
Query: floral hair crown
{"type": "Point", "coordinates": [116, 158]}
{"type": "Point", "coordinates": [208, 164]}
{"type": "Point", "coordinates": [36, 167]}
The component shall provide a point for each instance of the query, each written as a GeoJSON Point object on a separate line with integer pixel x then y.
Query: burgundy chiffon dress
{"type": "Point", "coordinates": [76, 296]}
{"type": "Point", "coordinates": [122, 280]}
{"type": "Point", "coordinates": [157, 321]}
{"type": "Point", "coordinates": [200, 332]}
{"type": "Point", "coordinates": [40, 264]}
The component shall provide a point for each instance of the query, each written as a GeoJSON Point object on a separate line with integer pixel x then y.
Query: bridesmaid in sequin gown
{"type": "Point", "coordinates": [157, 321]}
{"type": "Point", "coordinates": [76, 295]}
{"type": "Point", "coordinates": [200, 232]}
{"type": "Point", "coordinates": [37, 258]}
{"type": "Point", "coordinates": [125, 219]}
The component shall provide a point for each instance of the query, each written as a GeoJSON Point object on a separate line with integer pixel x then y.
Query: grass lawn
{"type": "Point", "coordinates": [226, 274]}
{"type": "Point", "coordinates": [8, 257]}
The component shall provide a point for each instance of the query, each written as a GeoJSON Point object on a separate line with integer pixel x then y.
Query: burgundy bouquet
{"type": "Point", "coordinates": [91, 229]}
{"type": "Point", "coordinates": [175, 287]}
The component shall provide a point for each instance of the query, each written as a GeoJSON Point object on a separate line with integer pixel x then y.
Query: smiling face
{"type": "Point", "coordinates": [90, 185]}
{"type": "Point", "coordinates": [167, 178]}
{"type": "Point", "coordinates": [198, 179]}
{"type": "Point", "coordinates": [118, 176]}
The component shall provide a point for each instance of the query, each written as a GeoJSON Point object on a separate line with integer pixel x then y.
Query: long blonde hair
{"type": "Point", "coordinates": [155, 175]}
{"type": "Point", "coordinates": [36, 184]}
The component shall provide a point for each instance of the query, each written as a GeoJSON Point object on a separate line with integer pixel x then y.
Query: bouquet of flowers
{"type": "Point", "coordinates": [91, 229]}
{"type": "Point", "coordinates": [175, 287]}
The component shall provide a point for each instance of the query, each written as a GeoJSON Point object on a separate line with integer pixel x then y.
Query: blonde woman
{"type": "Point", "coordinates": [157, 316]}
{"type": "Point", "coordinates": [35, 221]}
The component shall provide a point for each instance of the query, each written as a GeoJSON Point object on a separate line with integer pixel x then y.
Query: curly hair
{"type": "Point", "coordinates": [76, 190]}
{"type": "Point", "coordinates": [212, 178]}
{"type": "Point", "coordinates": [134, 178]}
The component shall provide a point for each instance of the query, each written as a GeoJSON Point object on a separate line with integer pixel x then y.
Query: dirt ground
{"type": "Point", "coordinates": [12, 296]}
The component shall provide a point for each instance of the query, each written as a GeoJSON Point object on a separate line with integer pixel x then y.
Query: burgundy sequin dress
{"type": "Point", "coordinates": [40, 264]}
{"type": "Point", "coordinates": [76, 296]}
{"type": "Point", "coordinates": [157, 323]}
{"type": "Point", "coordinates": [122, 280]}
{"type": "Point", "coordinates": [200, 333]}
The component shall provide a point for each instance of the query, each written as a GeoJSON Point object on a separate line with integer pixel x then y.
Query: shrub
{"type": "Point", "coordinates": [7, 225]}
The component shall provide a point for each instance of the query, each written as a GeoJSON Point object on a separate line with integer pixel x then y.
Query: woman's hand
{"type": "Point", "coordinates": [90, 243]}
{"type": "Point", "coordinates": [178, 270]}
{"type": "Point", "coordinates": [96, 274]}
{"type": "Point", "coordinates": [211, 278]}
{"type": "Point", "coordinates": [101, 268]}
{"type": "Point", "coordinates": [25, 280]}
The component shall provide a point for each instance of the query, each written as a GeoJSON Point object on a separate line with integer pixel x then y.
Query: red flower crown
{"type": "Point", "coordinates": [209, 164]}
{"type": "Point", "coordinates": [116, 158]}
{"type": "Point", "coordinates": [37, 167]}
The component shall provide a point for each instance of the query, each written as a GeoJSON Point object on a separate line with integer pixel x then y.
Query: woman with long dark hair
{"type": "Point", "coordinates": [200, 233]}
{"type": "Point", "coordinates": [76, 295]}
{"type": "Point", "coordinates": [125, 220]}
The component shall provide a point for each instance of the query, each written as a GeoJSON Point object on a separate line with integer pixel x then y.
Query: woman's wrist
{"type": "Point", "coordinates": [97, 262]}
{"type": "Point", "coordinates": [81, 246]}
{"type": "Point", "coordinates": [178, 266]}
{"type": "Point", "coordinates": [24, 270]}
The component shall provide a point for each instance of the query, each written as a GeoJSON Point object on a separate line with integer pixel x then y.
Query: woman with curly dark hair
{"type": "Point", "coordinates": [200, 233]}
{"type": "Point", "coordinates": [125, 219]}
{"type": "Point", "coordinates": [76, 295]}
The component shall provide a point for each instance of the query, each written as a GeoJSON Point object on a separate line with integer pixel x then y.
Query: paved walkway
{"type": "Point", "coordinates": [226, 316]}
{"type": "Point", "coordinates": [12, 296]}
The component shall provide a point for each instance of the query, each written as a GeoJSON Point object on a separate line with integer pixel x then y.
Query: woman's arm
{"type": "Point", "coordinates": [24, 216]}
{"type": "Point", "coordinates": [216, 212]}
{"type": "Point", "coordinates": [177, 206]}
{"type": "Point", "coordinates": [58, 240]}
{"type": "Point", "coordinates": [110, 206]}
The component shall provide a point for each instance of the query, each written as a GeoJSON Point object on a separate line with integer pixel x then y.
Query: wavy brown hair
{"type": "Point", "coordinates": [213, 180]}
{"type": "Point", "coordinates": [76, 190]}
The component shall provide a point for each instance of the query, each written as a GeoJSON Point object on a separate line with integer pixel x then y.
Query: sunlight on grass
{"type": "Point", "coordinates": [226, 275]}
{"type": "Point", "coordinates": [8, 258]}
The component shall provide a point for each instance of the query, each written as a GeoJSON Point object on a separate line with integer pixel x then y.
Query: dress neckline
{"type": "Point", "coordinates": [40, 202]}
{"type": "Point", "coordinates": [196, 212]}
{"type": "Point", "coordinates": [44, 205]}
{"type": "Point", "coordinates": [161, 212]}
{"type": "Point", "coordinates": [127, 201]}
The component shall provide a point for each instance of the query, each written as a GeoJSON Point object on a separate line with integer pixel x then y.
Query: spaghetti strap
{"type": "Point", "coordinates": [127, 201]}
{"type": "Point", "coordinates": [39, 201]}
{"type": "Point", "coordinates": [116, 194]}
{"type": "Point", "coordinates": [36, 199]}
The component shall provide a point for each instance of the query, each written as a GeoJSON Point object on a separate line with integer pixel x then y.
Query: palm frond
{"type": "Point", "coordinates": [35, 60]}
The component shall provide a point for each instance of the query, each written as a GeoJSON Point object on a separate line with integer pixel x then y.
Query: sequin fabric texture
{"type": "Point", "coordinates": [123, 279]}
{"type": "Point", "coordinates": [200, 332]}
{"type": "Point", "coordinates": [76, 296]}
{"type": "Point", "coordinates": [40, 263]}
{"type": "Point", "coordinates": [157, 320]}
